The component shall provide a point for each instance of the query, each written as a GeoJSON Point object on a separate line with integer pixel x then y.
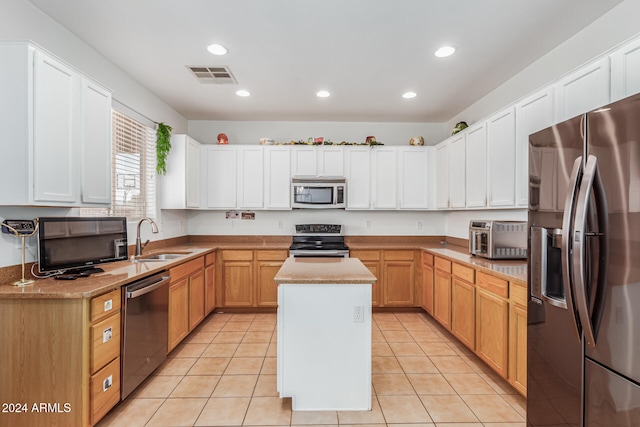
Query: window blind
{"type": "Point", "coordinates": [133, 175]}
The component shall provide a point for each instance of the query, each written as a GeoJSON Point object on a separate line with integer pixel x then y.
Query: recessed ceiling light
{"type": "Point", "coordinates": [217, 49]}
{"type": "Point", "coordinates": [243, 93]}
{"type": "Point", "coordinates": [445, 51]}
{"type": "Point", "coordinates": [323, 94]}
{"type": "Point", "coordinates": [409, 95]}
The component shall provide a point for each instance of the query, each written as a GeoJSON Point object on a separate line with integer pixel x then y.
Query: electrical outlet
{"type": "Point", "coordinates": [280, 224]}
{"type": "Point", "coordinates": [367, 224]}
{"type": "Point", "coordinates": [419, 225]}
{"type": "Point", "coordinates": [358, 313]}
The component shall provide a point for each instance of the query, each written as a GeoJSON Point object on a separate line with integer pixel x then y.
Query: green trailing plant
{"type": "Point", "coordinates": [163, 146]}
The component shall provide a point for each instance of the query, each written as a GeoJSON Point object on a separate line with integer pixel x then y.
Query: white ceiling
{"type": "Point", "coordinates": [365, 52]}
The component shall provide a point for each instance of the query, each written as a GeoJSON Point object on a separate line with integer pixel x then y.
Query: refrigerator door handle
{"type": "Point", "coordinates": [591, 182]}
{"type": "Point", "coordinates": [565, 247]}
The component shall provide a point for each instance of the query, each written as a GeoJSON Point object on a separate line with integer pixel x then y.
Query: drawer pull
{"type": "Point", "coordinates": [107, 383]}
{"type": "Point", "coordinates": [108, 305]}
{"type": "Point", "coordinates": [107, 334]}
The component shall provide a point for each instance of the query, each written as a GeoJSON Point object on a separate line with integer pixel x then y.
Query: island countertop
{"type": "Point", "coordinates": [324, 271]}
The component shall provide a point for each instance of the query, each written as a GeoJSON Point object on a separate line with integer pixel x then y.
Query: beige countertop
{"type": "Point", "coordinates": [121, 273]}
{"type": "Point", "coordinates": [115, 275]}
{"type": "Point", "coordinates": [324, 271]}
{"type": "Point", "coordinates": [512, 270]}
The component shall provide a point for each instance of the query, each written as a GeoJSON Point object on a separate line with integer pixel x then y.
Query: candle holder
{"type": "Point", "coordinates": [21, 229]}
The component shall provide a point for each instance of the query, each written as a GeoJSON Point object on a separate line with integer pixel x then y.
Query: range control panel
{"type": "Point", "coordinates": [319, 229]}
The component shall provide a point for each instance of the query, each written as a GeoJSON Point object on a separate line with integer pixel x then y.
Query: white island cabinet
{"type": "Point", "coordinates": [324, 334]}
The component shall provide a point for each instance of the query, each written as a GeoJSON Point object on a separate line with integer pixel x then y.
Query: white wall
{"type": "Point", "coordinates": [206, 131]}
{"type": "Point", "coordinates": [20, 21]}
{"type": "Point", "coordinates": [605, 34]}
{"type": "Point", "coordinates": [383, 223]}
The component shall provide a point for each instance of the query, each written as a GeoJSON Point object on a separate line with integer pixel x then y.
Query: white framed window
{"type": "Point", "coordinates": [133, 169]}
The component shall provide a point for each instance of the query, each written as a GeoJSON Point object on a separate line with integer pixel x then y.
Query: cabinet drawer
{"type": "Point", "coordinates": [518, 294]}
{"type": "Point", "coordinates": [104, 305]}
{"type": "Point", "coordinates": [365, 255]}
{"type": "Point", "coordinates": [105, 390]}
{"type": "Point", "coordinates": [467, 274]}
{"type": "Point", "coordinates": [275, 255]}
{"type": "Point", "coordinates": [186, 268]}
{"type": "Point", "coordinates": [398, 255]}
{"type": "Point", "coordinates": [427, 258]}
{"type": "Point", "coordinates": [493, 284]}
{"type": "Point", "coordinates": [105, 341]}
{"type": "Point", "coordinates": [443, 264]}
{"type": "Point", "coordinates": [237, 255]}
{"type": "Point", "coordinates": [210, 258]}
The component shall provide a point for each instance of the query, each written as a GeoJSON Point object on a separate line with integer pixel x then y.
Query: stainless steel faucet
{"type": "Point", "coordinates": [139, 245]}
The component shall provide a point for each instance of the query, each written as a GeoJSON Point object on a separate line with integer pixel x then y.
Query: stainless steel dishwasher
{"type": "Point", "coordinates": [144, 329]}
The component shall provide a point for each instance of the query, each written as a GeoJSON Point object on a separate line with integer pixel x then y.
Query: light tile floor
{"type": "Point", "coordinates": [224, 374]}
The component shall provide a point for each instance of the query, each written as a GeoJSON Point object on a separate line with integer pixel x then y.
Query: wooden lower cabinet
{"type": "Point", "coordinates": [396, 274]}
{"type": "Point", "coordinates": [427, 282]}
{"type": "Point", "coordinates": [518, 338]}
{"type": "Point", "coordinates": [268, 263]}
{"type": "Point", "coordinates": [442, 292]}
{"type": "Point", "coordinates": [486, 312]}
{"type": "Point", "coordinates": [371, 260]}
{"type": "Point", "coordinates": [196, 299]}
{"type": "Point", "coordinates": [178, 312]}
{"type": "Point", "coordinates": [399, 281]}
{"type": "Point", "coordinates": [209, 282]}
{"type": "Point", "coordinates": [247, 277]}
{"type": "Point", "coordinates": [492, 329]}
{"type": "Point", "coordinates": [64, 353]}
{"type": "Point", "coordinates": [463, 303]}
{"type": "Point", "coordinates": [105, 390]}
{"type": "Point", "coordinates": [186, 299]}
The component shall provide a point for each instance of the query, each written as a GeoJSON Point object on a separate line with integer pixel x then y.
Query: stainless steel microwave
{"type": "Point", "coordinates": [318, 192]}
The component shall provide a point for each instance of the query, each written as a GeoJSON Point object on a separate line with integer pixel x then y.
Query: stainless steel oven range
{"type": "Point", "coordinates": [318, 240]}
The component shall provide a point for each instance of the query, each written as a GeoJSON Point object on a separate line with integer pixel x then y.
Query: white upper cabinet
{"type": "Point", "coordinates": [476, 166]}
{"type": "Point", "coordinates": [501, 156]}
{"type": "Point", "coordinates": [442, 175]}
{"type": "Point", "coordinates": [57, 130]}
{"type": "Point", "coordinates": [304, 160]}
{"type": "Point", "coordinates": [331, 160]}
{"type": "Point", "coordinates": [583, 90]}
{"type": "Point", "coordinates": [384, 160]}
{"type": "Point", "coordinates": [625, 71]}
{"type": "Point", "coordinates": [532, 114]}
{"type": "Point", "coordinates": [358, 176]}
{"type": "Point", "coordinates": [250, 183]}
{"type": "Point", "coordinates": [457, 171]}
{"type": "Point", "coordinates": [413, 172]}
{"type": "Point", "coordinates": [96, 137]}
{"type": "Point", "coordinates": [180, 187]}
{"type": "Point", "coordinates": [54, 138]}
{"type": "Point", "coordinates": [277, 177]}
{"type": "Point", "coordinates": [221, 179]}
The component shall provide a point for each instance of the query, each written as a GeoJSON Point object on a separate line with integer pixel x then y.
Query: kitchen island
{"type": "Point", "coordinates": [324, 333]}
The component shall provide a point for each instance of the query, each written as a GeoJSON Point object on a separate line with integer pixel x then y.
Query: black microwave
{"type": "Point", "coordinates": [318, 192]}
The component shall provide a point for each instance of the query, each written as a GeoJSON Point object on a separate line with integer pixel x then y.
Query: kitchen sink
{"type": "Point", "coordinates": [165, 256]}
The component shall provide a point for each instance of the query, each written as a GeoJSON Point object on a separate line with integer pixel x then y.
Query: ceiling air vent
{"type": "Point", "coordinates": [220, 75]}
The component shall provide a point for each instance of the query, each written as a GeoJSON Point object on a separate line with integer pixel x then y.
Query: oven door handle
{"type": "Point", "coordinates": [319, 252]}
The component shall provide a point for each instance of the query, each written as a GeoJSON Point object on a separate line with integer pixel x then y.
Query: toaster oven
{"type": "Point", "coordinates": [498, 239]}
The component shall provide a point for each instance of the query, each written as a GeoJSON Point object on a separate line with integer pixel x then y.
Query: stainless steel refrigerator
{"type": "Point", "coordinates": [583, 330]}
